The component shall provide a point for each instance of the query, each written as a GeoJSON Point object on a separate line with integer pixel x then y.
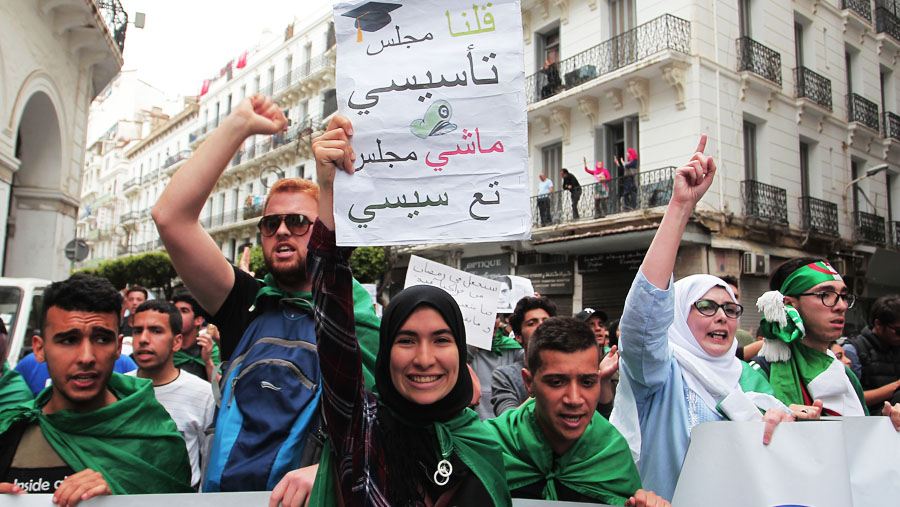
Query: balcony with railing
{"type": "Point", "coordinates": [813, 86]}
{"type": "Point", "coordinates": [819, 216]}
{"type": "Point", "coordinates": [887, 19]}
{"type": "Point", "coordinates": [647, 189]}
{"type": "Point", "coordinates": [891, 126]}
{"type": "Point", "coordinates": [149, 176]}
{"type": "Point", "coordinates": [764, 202]}
{"type": "Point", "coordinates": [758, 59]}
{"type": "Point", "coordinates": [131, 216]}
{"type": "Point", "coordinates": [133, 182]}
{"type": "Point", "coordinates": [868, 227]}
{"type": "Point", "coordinates": [666, 32]}
{"type": "Point", "coordinates": [178, 157]}
{"type": "Point", "coordinates": [861, 7]}
{"type": "Point", "coordinates": [255, 151]}
{"type": "Point", "coordinates": [296, 79]}
{"type": "Point", "coordinates": [863, 111]}
{"type": "Point", "coordinates": [252, 211]}
{"type": "Point", "coordinates": [200, 134]}
{"type": "Point", "coordinates": [894, 227]}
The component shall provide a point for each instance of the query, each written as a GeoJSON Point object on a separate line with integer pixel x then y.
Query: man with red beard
{"type": "Point", "coordinates": [250, 312]}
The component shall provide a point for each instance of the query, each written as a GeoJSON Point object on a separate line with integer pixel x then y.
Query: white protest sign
{"type": "Point", "coordinates": [435, 90]}
{"type": "Point", "coordinates": [476, 296]}
{"type": "Point", "coordinates": [513, 289]}
{"type": "Point", "coordinates": [850, 461]}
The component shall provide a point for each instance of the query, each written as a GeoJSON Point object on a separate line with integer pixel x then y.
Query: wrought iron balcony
{"type": "Point", "coordinates": [887, 19]}
{"type": "Point", "coordinates": [863, 111]}
{"type": "Point", "coordinates": [813, 86]}
{"type": "Point", "coordinates": [758, 59]}
{"type": "Point", "coordinates": [765, 202]}
{"type": "Point", "coordinates": [116, 20]}
{"type": "Point", "coordinates": [861, 7]}
{"type": "Point", "coordinates": [819, 216]}
{"type": "Point", "coordinates": [894, 227]}
{"type": "Point", "coordinates": [252, 211]}
{"type": "Point", "coordinates": [666, 32]}
{"type": "Point", "coordinates": [218, 220]}
{"type": "Point", "coordinates": [647, 189]}
{"type": "Point", "coordinates": [130, 216]}
{"type": "Point", "coordinates": [133, 182]}
{"type": "Point", "coordinates": [891, 126]}
{"type": "Point", "coordinates": [150, 176]}
{"type": "Point", "coordinates": [868, 227]}
{"type": "Point", "coordinates": [181, 155]}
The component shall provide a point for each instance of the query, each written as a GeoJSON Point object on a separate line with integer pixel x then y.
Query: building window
{"type": "Point", "coordinates": [621, 16]}
{"type": "Point", "coordinates": [804, 169]}
{"type": "Point", "coordinates": [744, 17]}
{"type": "Point", "coordinates": [329, 102]}
{"type": "Point", "coordinates": [551, 159]}
{"type": "Point", "coordinates": [749, 151]}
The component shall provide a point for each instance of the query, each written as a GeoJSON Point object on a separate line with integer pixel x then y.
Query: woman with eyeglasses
{"type": "Point", "coordinates": [804, 312]}
{"type": "Point", "coordinates": [678, 365]}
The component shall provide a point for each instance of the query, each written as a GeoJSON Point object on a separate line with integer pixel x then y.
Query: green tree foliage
{"type": "Point", "coordinates": [258, 262]}
{"type": "Point", "coordinates": [369, 263]}
{"type": "Point", "coordinates": [153, 270]}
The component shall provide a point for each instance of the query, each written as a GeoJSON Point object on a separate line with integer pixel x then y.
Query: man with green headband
{"type": "Point", "coordinates": [92, 432]}
{"type": "Point", "coordinates": [556, 446]}
{"type": "Point", "coordinates": [804, 312]}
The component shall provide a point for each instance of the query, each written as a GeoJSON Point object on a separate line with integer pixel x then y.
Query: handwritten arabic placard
{"type": "Point", "coordinates": [476, 296]}
{"type": "Point", "coordinates": [435, 91]}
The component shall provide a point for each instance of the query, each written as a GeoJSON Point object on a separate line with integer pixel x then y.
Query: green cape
{"type": "Point", "coordinates": [502, 342]}
{"type": "Point", "coordinates": [13, 388]}
{"type": "Point", "coordinates": [133, 442]}
{"type": "Point", "coordinates": [367, 323]}
{"type": "Point", "coordinates": [471, 443]}
{"type": "Point", "coordinates": [181, 357]}
{"type": "Point", "coordinates": [599, 465]}
{"type": "Point", "coordinates": [806, 363]}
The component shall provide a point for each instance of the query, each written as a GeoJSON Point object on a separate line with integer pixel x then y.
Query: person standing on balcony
{"type": "Point", "coordinates": [545, 188]}
{"type": "Point", "coordinates": [570, 183]}
{"type": "Point", "coordinates": [630, 179]}
{"type": "Point", "coordinates": [601, 188]}
{"type": "Point", "coordinates": [552, 83]}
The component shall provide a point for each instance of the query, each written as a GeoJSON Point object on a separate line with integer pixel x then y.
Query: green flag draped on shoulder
{"type": "Point", "coordinates": [133, 442]}
{"type": "Point", "coordinates": [599, 465]}
{"type": "Point", "coordinates": [470, 442]}
{"type": "Point", "coordinates": [502, 342]}
{"type": "Point", "coordinates": [367, 323]}
{"type": "Point", "coordinates": [181, 357]}
{"type": "Point", "coordinates": [13, 388]}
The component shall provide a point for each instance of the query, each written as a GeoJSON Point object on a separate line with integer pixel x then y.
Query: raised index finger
{"type": "Point", "coordinates": [702, 145]}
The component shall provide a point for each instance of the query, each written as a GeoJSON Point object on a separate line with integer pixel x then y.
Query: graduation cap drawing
{"type": "Point", "coordinates": [371, 17]}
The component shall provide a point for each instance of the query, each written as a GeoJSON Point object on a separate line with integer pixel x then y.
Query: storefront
{"type": "Point", "coordinates": [606, 278]}
{"type": "Point", "coordinates": [554, 280]}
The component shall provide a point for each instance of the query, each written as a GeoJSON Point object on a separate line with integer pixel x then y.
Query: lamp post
{"type": "Point", "coordinates": [869, 173]}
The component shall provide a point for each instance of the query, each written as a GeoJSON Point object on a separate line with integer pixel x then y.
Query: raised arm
{"type": "Point", "coordinates": [691, 182]}
{"type": "Point", "coordinates": [649, 306]}
{"type": "Point", "coordinates": [332, 288]}
{"type": "Point", "coordinates": [195, 255]}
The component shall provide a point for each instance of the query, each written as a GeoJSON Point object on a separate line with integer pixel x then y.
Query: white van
{"type": "Point", "coordinates": [21, 300]}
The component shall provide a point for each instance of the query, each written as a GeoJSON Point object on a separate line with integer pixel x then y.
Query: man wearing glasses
{"type": "Point", "coordinates": [804, 312]}
{"type": "Point", "coordinates": [259, 320]}
{"type": "Point", "coordinates": [875, 353]}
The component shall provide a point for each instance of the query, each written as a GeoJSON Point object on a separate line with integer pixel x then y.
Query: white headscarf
{"type": "Point", "coordinates": [711, 377]}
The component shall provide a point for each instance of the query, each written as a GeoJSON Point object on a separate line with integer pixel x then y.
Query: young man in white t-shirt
{"type": "Point", "coordinates": [186, 397]}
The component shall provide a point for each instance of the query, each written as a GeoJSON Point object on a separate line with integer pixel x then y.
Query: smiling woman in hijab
{"type": "Point", "coordinates": [415, 442]}
{"type": "Point", "coordinates": [678, 366]}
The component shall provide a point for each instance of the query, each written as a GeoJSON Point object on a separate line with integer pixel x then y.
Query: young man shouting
{"type": "Point", "coordinates": [93, 432]}
{"type": "Point", "coordinates": [186, 397]}
{"type": "Point", "coordinates": [556, 446]}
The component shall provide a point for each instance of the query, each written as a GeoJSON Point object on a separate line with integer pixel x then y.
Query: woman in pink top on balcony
{"type": "Point", "coordinates": [601, 188]}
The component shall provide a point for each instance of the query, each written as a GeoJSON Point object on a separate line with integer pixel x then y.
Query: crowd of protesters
{"type": "Point", "coordinates": [293, 385]}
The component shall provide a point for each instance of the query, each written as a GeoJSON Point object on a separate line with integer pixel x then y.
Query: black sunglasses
{"type": "Point", "coordinates": [709, 308]}
{"type": "Point", "coordinates": [296, 223]}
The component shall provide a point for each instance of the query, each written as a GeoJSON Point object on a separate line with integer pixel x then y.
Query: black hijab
{"type": "Point", "coordinates": [395, 315]}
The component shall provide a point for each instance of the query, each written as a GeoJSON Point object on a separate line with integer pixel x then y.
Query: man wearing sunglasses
{"type": "Point", "coordinates": [804, 312]}
{"type": "Point", "coordinates": [272, 313]}
{"type": "Point", "coordinates": [875, 354]}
